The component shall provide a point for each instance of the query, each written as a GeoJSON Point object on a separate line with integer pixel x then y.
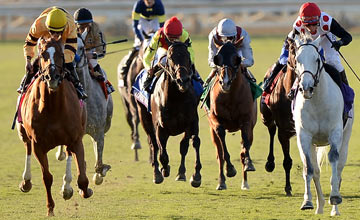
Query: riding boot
{"type": "Point", "coordinates": [267, 83]}
{"type": "Point", "coordinates": [125, 68]}
{"type": "Point", "coordinates": [343, 77]}
{"type": "Point", "coordinates": [75, 80]}
{"type": "Point", "coordinates": [98, 73]}
{"type": "Point", "coordinates": [148, 81]}
{"type": "Point", "coordinates": [24, 82]}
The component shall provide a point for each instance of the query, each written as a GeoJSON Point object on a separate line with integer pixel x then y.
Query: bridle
{"type": "Point", "coordinates": [315, 76]}
{"type": "Point", "coordinates": [51, 67]}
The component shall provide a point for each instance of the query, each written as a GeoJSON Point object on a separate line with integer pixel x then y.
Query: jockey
{"type": "Point", "coordinates": [148, 16]}
{"type": "Point", "coordinates": [163, 38]}
{"type": "Point", "coordinates": [225, 31]}
{"type": "Point", "coordinates": [94, 41]}
{"type": "Point", "coordinates": [318, 23]}
{"type": "Point", "coordinates": [53, 22]}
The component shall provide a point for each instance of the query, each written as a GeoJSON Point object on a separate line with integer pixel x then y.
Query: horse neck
{"type": "Point", "coordinates": [321, 91]}
{"type": "Point", "coordinates": [289, 78]}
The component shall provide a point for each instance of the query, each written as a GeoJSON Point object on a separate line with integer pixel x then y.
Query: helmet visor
{"type": "Point", "coordinates": [310, 20]}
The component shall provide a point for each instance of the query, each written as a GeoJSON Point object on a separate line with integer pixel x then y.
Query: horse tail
{"type": "Point", "coordinates": [321, 155]}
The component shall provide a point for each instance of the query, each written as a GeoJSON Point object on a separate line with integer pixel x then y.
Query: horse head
{"type": "Point", "coordinates": [179, 65]}
{"type": "Point", "coordinates": [228, 63]}
{"type": "Point", "coordinates": [308, 65]}
{"type": "Point", "coordinates": [52, 61]}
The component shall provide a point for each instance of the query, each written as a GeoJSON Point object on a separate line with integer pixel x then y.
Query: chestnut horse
{"type": "Point", "coordinates": [174, 111]}
{"type": "Point", "coordinates": [232, 108]}
{"type": "Point", "coordinates": [52, 115]}
{"type": "Point", "coordinates": [276, 112]}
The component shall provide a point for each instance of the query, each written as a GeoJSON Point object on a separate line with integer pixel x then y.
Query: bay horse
{"type": "Point", "coordinates": [128, 100]}
{"type": "Point", "coordinates": [52, 115]}
{"type": "Point", "coordinates": [99, 110]}
{"type": "Point", "coordinates": [173, 111]}
{"type": "Point", "coordinates": [232, 108]}
{"type": "Point", "coordinates": [318, 116]}
{"type": "Point", "coordinates": [276, 112]}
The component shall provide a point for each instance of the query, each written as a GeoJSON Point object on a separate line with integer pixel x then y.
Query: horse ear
{"type": "Point", "coordinates": [218, 43]}
{"type": "Point", "coordinates": [239, 42]}
{"type": "Point", "coordinates": [218, 60]}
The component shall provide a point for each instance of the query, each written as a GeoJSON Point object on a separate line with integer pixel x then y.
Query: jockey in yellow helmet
{"type": "Point", "coordinates": [57, 23]}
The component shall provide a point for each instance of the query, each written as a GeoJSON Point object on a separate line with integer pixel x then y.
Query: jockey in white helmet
{"type": "Point", "coordinates": [225, 31]}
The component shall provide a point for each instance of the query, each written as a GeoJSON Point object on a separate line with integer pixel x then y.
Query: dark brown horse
{"type": "Point", "coordinates": [276, 112]}
{"type": "Point", "coordinates": [52, 115]}
{"type": "Point", "coordinates": [173, 111]}
{"type": "Point", "coordinates": [232, 108]}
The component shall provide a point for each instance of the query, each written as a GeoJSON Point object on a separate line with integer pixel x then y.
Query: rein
{"type": "Point", "coordinates": [44, 77]}
{"type": "Point", "coordinates": [315, 76]}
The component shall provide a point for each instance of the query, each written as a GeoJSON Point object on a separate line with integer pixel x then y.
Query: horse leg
{"type": "Point", "coordinates": [25, 185]}
{"type": "Point", "coordinates": [195, 179]}
{"type": "Point", "coordinates": [319, 194]}
{"type": "Point", "coordinates": [162, 138]}
{"type": "Point", "coordinates": [47, 177]}
{"type": "Point", "coordinates": [247, 139]}
{"type": "Point", "coordinates": [77, 151]}
{"type": "Point", "coordinates": [184, 147]}
{"type": "Point", "coordinates": [335, 141]}
{"type": "Point", "coordinates": [60, 153]}
{"type": "Point", "coordinates": [270, 164]}
{"type": "Point", "coordinates": [66, 189]}
{"type": "Point", "coordinates": [220, 157]}
{"type": "Point", "coordinates": [134, 124]}
{"type": "Point", "coordinates": [287, 162]}
{"type": "Point", "coordinates": [304, 144]}
{"type": "Point", "coordinates": [100, 167]}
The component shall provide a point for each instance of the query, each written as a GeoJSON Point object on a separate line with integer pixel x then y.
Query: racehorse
{"type": "Point", "coordinates": [318, 120]}
{"type": "Point", "coordinates": [99, 110]}
{"type": "Point", "coordinates": [232, 108]}
{"type": "Point", "coordinates": [129, 103]}
{"type": "Point", "coordinates": [52, 115]}
{"type": "Point", "coordinates": [173, 111]}
{"type": "Point", "coordinates": [276, 112]}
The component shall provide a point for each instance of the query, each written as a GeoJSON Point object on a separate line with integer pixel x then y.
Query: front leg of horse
{"type": "Point", "coordinates": [304, 144]}
{"type": "Point", "coordinates": [184, 147]}
{"type": "Point", "coordinates": [162, 138]}
{"type": "Point", "coordinates": [287, 162]}
{"type": "Point", "coordinates": [270, 164]}
{"type": "Point", "coordinates": [66, 189]}
{"type": "Point", "coordinates": [196, 177]}
{"type": "Point", "coordinates": [83, 182]}
{"type": "Point", "coordinates": [26, 185]}
{"type": "Point", "coordinates": [220, 158]}
{"type": "Point", "coordinates": [157, 177]}
{"type": "Point", "coordinates": [335, 197]}
{"type": "Point", "coordinates": [247, 137]}
{"type": "Point", "coordinates": [100, 168]}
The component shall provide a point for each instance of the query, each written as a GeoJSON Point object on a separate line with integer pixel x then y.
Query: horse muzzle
{"type": "Point", "coordinates": [307, 93]}
{"type": "Point", "coordinates": [52, 82]}
{"type": "Point", "coordinates": [183, 84]}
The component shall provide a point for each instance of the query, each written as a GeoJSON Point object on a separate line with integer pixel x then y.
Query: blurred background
{"type": "Point", "coordinates": [258, 17]}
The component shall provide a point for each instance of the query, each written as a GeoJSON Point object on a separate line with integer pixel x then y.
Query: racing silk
{"type": "Point", "coordinates": [328, 26]}
{"type": "Point", "coordinates": [245, 51]}
{"type": "Point", "coordinates": [159, 40]}
{"type": "Point", "coordinates": [95, 37]}
{"type": "Point", "coordinates": [155, 15]}
{"type": "Point", "coordinates": [39, 30]}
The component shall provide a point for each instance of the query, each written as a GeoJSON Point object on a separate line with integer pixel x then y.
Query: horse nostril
{"type": "Point", "coordinates": [300, 89]}
{"type": "Point", "coordinates": [47, 77]}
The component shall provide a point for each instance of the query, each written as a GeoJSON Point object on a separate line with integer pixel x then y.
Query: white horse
{"type": "Point", "coordinates": [318, 122]}
{"type": "Point", "coordinates": [99, 113]}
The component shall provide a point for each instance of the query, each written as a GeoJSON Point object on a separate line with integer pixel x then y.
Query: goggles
{"type": "Point", "coordinates": [225, 39]}
{"type": "Point", "coordinates": [310, 20]}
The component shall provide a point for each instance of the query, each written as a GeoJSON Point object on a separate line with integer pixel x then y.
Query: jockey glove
{"type": "Point", "coordinates": [337, 44]}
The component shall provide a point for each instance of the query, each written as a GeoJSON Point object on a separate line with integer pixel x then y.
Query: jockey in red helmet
{"type": "Point", "coordinates": [317, 23]}
{"type": "Point", "coordinates": [171, 32]}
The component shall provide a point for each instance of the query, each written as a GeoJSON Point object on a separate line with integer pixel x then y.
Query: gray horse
{"type": "Point", "coordinates": [99, 114]}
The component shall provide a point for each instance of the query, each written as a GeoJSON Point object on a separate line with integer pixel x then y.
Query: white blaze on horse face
{"type": "Point", "coordinates": [51, 51]}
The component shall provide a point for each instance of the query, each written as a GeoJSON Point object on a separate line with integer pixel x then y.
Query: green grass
{"type": "Point", "coordinates": [128, 192]}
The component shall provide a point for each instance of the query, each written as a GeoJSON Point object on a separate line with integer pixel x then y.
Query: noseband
{"type": "Point", "coordinates": [51, 67]}
{"type": "Point", "coordinates": [315, 76]}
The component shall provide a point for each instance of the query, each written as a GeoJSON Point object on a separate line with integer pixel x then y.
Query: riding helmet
{"type": "Point", "coordinates": [83, 15]}
{"type": "Point", "coordinates": [173, 27]}
{"type": "Point", "coordinates": [309, 13]}
{"type": "Point", "coordinates": [56, 20]}
{"type": "Point", "coordinates": [226, 28]}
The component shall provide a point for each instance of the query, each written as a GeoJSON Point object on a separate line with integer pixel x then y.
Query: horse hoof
{"type": "Point", "coordinates": [60, 156]}
{"type": "Point", "coordinates": [181, 177]}
{"type": "Point", "coordinates": [195, 181]}
{"type": "Point", "coordinates": [25, 186]}
{"type": "Point", "coordinates": [165, 172]}
{"type": "Point", "coordinates": [230, 171]}
{"type": "Point", "coordinates": [88, 194]}
{"type": "Point", "coordinates": [221, 186]}
{"type": "Point", "coordinates": [105, 168]}
{"type": "Point", "coordinates": [245, 185]}
{"type": "Point", "coordinates": [98, 179]}
{"type": "Point", "coordinates": [67, 193]}
{"type": "Point", "coordinates": [307, 205]}
{"type": "Point", "coordinates": [158, 178]}
{"type": "Point", "coordinates": [248, 166]}
{"type": "Point", "coordinates": [335, 200]}
{"type": "Point", "coordinates": [334, 213]}
{"type": "Point", "coordinates": [288, 190]}
{"type": "Point", "coordinates": [269, 166]}
{"type": "Point", "coordinates": [50, 213]}
{"type": "Point", "coordinates": [136, 145]}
